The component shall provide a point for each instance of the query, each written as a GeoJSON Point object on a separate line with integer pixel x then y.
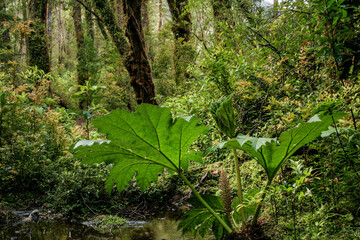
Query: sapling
{"type": "Point", "coordinates": [87, 94]}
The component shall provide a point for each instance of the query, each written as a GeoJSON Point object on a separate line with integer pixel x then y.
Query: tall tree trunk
{"type": "Point", "coordinates": [145, 15]}
{"type": "Point", "coordinates": [49, 19]}
{"type": "Point", "coordinates": [26, 39]}
{"type": "Point", "coordinates": [5, 35]}
{"type": "Point", "coordinates": [146, 29]}
{"type": "Point", "coordinates": [136, 61]}
{"type": "Point", "coordinates": [160, 16]}
{"type": "Point", "coordinates": [60, 32]}
{"type": "Point", "coordinates": [38, 42]}
{"type": "Point", "coordinates": [181, 28]}
{"type": "Point", "coordinates": [89, 22]}
{"type": "Point", "coordinates": [79, 34]}
{"type": "Point", "coordinates": [82, 71]}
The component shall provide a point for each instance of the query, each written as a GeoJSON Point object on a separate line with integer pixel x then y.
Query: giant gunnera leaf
{"type": "Point", "coordinates": [141, 144]}
{"type": "Point", "coordinates": [272, 153]}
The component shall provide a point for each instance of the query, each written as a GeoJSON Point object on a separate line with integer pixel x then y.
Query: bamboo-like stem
{"type": "Point", "coordinates": [257, 211]}
{"type": "Point", "coordinates": [239, 188]}
{"type": "Point", "coordinates": [198, 196]}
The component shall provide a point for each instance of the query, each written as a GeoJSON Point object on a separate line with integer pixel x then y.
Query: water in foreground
{"type": "Point", "coordinates": [157, 229]}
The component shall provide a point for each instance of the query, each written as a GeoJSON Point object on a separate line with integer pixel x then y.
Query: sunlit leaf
{"type": "Point", "coordinates": [272, 153]}
{"type": "Point", "coordinates": [141, 144]}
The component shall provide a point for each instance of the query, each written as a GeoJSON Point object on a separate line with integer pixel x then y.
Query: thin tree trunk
{"type": "Point", "coordinates": [60, 34]}
{"type": "Point", "coordinates": [49, 19]}
{"type": "Point", "coordinates": [26, 39]}
{"type": "Point", "coordinates": [160, 16]}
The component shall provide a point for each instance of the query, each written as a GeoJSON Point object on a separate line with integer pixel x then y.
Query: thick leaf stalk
{"type": "Point", "coordinates": [257, 211]}
{"type": "Point", "coordinates": [239, 188]}
{"type": "Point", "coordinates": [198, 196]}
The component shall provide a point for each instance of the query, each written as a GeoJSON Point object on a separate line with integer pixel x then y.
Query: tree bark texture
{"type": "Point", "coordinates": [134, 51]}
{"type": "Point", "coordinates": [181, 28]}
{"type": "Point", "coordinates": [38, 42]}
{"type": "Point", "coordinates": [89, 22]}
{"type": "Point", "coordinates": [60, 33]}
{"type": "Point", "coordinates": [82, 73]}
{"type": "Point", "coordinates": [116, 33]}
{"type": "Point", "coordinates": [137, 62]}
{"type": "Point", "coordinates": [145, 15]}
{"type": "Point", "coordinates": [119, 13]}
{"type": "Point", "coordinates": [5, 35]}
{"type": "Point", "coordinates": [49, 19]}
{"type": "Point", "coordinates": [79, 34]}
{"type": "Point", "coordinates": [160, 16]}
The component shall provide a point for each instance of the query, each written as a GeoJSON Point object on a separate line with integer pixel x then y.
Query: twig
{"type": "Point", "coordinates": [87, 205]}
{"type": "Point", "coordinates": [343, 148]}
{"type": "Point", "coordinates": [269, 45]}
{"type": "Point", "coordinates": [202, 41]}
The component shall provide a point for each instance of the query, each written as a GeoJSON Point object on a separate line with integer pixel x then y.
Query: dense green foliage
{"type": "Point", "coordinates": [259, 77]}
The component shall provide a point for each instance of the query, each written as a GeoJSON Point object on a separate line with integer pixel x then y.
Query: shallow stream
{"type": "Point", "coordinates": [45, 229]}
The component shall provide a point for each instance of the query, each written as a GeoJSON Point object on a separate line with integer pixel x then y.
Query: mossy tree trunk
{"type": "Point", "coordinates": [181, 28]}
{"type": "Point", "coordinates": [49, 20]}
{"type": "Point", "coordinates": [82, 73]}
{"type": "Point", "coordinates": [134, 50]}
{"type": "Point", "coordinates": [89, 22]}
{"type": "Point", "coordinates": [137, 62]}
{"type": "Point", "coordinates": [38, 41]}
{"type": "Point", "coordinates": [5, 35]}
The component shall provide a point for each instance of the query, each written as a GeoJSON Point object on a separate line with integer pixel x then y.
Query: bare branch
{"type": "Point", "coordinates": [91, 11]}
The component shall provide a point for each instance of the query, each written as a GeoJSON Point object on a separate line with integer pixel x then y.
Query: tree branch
{"type": "Point", "coordinates": [269, 45]}
{"type": "Point", "coordinates": [91, 11]}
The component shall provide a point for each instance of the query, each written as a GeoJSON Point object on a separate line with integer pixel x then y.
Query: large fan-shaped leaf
{"type": "Point", "coordinates": [270, 153]}
{"type": "Point", "coordinates": [142, 143]}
